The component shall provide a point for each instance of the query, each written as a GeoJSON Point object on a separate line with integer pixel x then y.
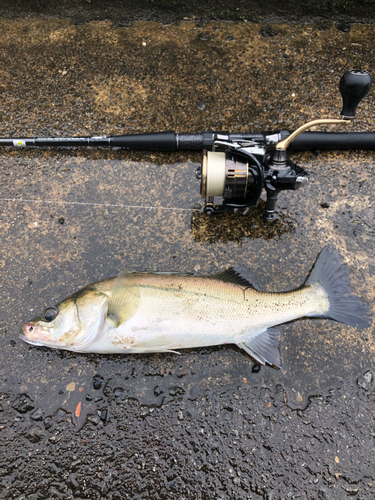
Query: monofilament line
{"type": "Point", "coordinates": [115, 205]}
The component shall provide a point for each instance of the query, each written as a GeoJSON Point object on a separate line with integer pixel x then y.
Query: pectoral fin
{"type": "Point", "coordinates": [123, 299]}
{"type": "Point", "coordinates": [263, 345]}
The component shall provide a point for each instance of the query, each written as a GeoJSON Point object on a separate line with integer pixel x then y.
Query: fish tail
{"type": "Point", "coordinates": [332, 275]}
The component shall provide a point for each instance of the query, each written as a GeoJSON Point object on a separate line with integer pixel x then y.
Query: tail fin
{"type": "Point", "coordinates": [345, 307]}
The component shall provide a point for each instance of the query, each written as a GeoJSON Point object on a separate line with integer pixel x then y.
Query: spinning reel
{"type": "Point", "coordinates": [238, 169]}
{"type": "Point", "coordinates": [238, 172]}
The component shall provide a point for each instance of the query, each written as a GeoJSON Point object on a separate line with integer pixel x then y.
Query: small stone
{"type": "Point", "coordinates": [351, 491]}
{"type": "Point", "coordinates": [107, 391]}
{"type": "Point", "coordinates": [324, 205]}
{"type": "Point", "coordinates": [60, 415]}
{"type": "Point", "coordinates": [158, 391]}
{"type": "Point", "coordinates": [93, 419]}
{"type": "Point", "coordinates": [71, 387]}
{"type": "Point", "coordinates": [365, 381]}
{"type": "Point", "coordinates": [61, 220]}
{"type": "Point", "coordinates": [256, 368]}
{"type": "Point", "coordinates": [173, 391]}
{"type": "Point", "coordinates": [37, 415]}
{"type": "Point", "coordinates": [201, 106]}
{"type": "Point", "coordinates": [343, 26]}
{"type": "Point", "coordinates": [47, 422]}
{"type": "Point", "coordinates": [23, 403]}
{"type": "Point", "coordinates": [104, 415]}
{"type": "Point", "coordinates": [368, 376]}
{"type": "Point", "coordinates": [98, 382]}
{"type": "Point", "coordinates": [34, 434]}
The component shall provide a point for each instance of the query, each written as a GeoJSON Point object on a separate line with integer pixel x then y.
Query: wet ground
{"type": "Point", "coordinates": [169, 11]}
{"type": "Point", "coordinates": [207, 423]}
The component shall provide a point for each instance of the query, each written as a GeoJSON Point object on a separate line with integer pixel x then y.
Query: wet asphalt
{"type": "Point", "coordinates": [207, 424]}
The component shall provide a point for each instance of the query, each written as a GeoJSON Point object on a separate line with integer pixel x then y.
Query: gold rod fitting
{"type": "Point", "coordinates": [285, 143]}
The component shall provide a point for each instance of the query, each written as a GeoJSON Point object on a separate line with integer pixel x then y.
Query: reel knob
{"type": "Point", "coordinates": [354, 86]}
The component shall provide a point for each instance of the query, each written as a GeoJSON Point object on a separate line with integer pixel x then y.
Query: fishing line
{"type": "Point", "coordinates": [116, 205]}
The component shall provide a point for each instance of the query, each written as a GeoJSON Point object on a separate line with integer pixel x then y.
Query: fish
{"type": "Point", "coordinates": [165, 312]}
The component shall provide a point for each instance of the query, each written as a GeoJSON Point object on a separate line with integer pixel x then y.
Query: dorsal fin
{"type": "Point", "coordinates": [166, 273]}
{"type": "Point", "coordinates": [232, 276]}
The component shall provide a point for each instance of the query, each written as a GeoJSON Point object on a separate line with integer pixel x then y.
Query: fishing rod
{"type": "Point", "coordinates": [236, 167]}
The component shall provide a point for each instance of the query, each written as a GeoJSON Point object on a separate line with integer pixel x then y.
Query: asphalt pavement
{"type": "Point", "coordinates": [208, 423]}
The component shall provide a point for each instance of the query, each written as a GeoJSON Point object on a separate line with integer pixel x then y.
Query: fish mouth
{"type": "Point", "coordinates": [29, 330]}
{"type": "Point", "coordinates": [34, 334]}
{"type": "Point", "coordinates": [37, 335]}
{"type": "Point", "coordinates": [24, 335]}
{"type": "Point", "coordinates": [31, 342]}
{"type": "Point", "coordinates": [39, 343]}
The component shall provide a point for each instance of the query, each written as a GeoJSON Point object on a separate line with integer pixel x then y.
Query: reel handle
{"type": "Point", "coordinates": [354, 86]}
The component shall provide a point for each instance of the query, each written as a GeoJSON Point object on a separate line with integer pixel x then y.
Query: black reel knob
{"type": "Point", "coordinates": [354, 86]}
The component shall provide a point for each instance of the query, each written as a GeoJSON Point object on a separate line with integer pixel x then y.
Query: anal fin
{"type": "Point", "coordinates": [160, 343]}
{"type": "Point", "coordinates": [264, 346]}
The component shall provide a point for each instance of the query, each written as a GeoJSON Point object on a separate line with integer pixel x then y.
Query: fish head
{"type": "Point", "coordinates": [72, 324]}
{"type": "Point", "coordinates": [54, 326]}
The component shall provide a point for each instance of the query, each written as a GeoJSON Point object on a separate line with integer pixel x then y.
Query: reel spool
{"type": "Point", "coordinates": [236, 177]}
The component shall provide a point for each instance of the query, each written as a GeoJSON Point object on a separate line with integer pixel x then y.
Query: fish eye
{"type": "Point", "coordinates": [50, 314]}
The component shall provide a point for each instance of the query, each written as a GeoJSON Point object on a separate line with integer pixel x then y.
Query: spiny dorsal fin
{"type": "Point", "coordinates": [232, 276]}
{"type": "Point", "coordinates": [123, 299]}
{"type": "Point", "coordinates": [168, 273]}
